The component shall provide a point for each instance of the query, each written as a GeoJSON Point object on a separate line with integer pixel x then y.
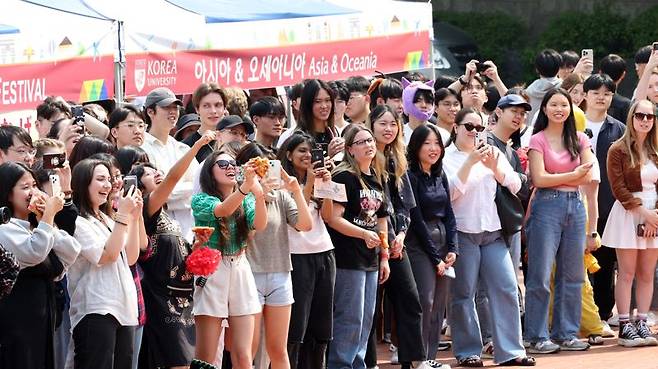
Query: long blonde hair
{"type": "Point", "coordinates": [394, 150]}
{"type": "Point", "coordinates": [349, 164]}
{"type": "Point", "coordinates": [630, 136]}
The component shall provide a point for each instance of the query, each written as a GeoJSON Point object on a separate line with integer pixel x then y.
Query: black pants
{"type": "Point", "coordinates": [603, 281]}
{"type": "Point", "coordinates": [100, 342]}
{"type": "Point", "coordinates": [402, 291]}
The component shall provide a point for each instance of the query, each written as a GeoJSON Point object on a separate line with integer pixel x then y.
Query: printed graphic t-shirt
{"type": "Point", "coordinates": [364, 205]}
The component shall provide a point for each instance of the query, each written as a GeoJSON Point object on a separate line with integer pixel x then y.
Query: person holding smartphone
{"type": "Point", "coordinates": [560, 159]}
{"type": "Point", "coordinates": [632, 225]}
{"type": "Point", "coordinates": [474, 172]}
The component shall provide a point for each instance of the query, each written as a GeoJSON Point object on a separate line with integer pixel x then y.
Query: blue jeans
{"type": "Point", "coordinates": [485, 255]}
{"type": "Point", "coordinates": [556, 236]}
{"type": "Point", "coordinates": [354, 307]}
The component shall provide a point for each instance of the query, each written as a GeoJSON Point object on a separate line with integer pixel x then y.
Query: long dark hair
{"type": "Point", "coordinates": [83, 174]}
{"type": "Point", "coordinates": [88, 146]}
{"type": "Point", "coordinates": [311, 89]}
{"type": "Point", "coordinates": [416, 142]}
{"type": "Point", "coordinates": [569, 135]}
{"type": "Point", "coordinates": [209, 186]}
{"type": "Point", "coordinates": [11, 172]}
{"type": "Point", "coordinates": [289, 146]}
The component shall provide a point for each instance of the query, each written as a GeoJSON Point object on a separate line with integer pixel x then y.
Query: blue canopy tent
{"type": "Point", "coordinates": [224, 11]}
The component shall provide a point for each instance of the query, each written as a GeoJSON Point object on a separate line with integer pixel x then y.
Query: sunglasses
{"type": "Point", "coordinates": [469, 127]}
{"type": "Point", "coordinates": [643, 116]}
{"type": "Point", "coordinates": [223, 164]}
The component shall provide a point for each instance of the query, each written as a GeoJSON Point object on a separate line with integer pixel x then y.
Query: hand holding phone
{"type": "Point", "coordinates": [129, 181]}
{"type": "Point", "coordinates": [274, 172]}
{"type": "Point", "coordinates": [56, 187]}
{"type": "Point", "coordinates": [317, 158]}
{"type": "Point", "coordinates": [52, 161]}
{"type": "Point", "coordinates": [480, 139]}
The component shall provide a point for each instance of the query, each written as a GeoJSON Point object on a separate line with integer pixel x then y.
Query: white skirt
{"type": "Point", "coordinates": [621, 228]}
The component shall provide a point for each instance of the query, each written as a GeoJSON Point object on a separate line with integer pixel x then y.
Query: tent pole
{"type": "Point", "coordinates": [119, 66]}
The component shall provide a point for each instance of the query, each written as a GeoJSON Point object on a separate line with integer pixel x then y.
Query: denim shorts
{"type": "Point", "coordinates": [274, 289]}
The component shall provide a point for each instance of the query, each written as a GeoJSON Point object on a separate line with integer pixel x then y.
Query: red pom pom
{"type": "Point", "coordinates": [203, 261]}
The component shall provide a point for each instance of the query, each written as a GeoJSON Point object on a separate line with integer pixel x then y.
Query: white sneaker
{"type": "Point", "coordinates": [607, 331]}
{"type": "Point", "coordinates": [394, 355]}
{"type": "Point", "coordinates": [432, 364]}
{"type": "Point", "coordinates": [614, 321]}
{"type": "Point", "coordinates": [487, 351]}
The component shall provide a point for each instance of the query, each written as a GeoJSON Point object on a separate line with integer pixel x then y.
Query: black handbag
{"type": "Point", "coordinates": [510, 211]}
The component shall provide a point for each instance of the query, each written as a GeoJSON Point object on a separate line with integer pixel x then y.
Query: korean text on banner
{"type": "Point", "coordinates": [182, 71]}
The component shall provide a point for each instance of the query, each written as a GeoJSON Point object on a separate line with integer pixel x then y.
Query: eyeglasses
{"type": "Point", "coordinates": [236, 133]}
{"type": "Point", "coordinates": [469, 127]}
{"type": "Point", "coordinates": [365, 141]}
{"type": "Point", "coordinates": [132, 126]}
{"type": "Point", "coordinates": [224, 164]}
{"type": "Point", "coordinates": [643, 116]}
{"type": "Point", "coordinates": [24, 151]}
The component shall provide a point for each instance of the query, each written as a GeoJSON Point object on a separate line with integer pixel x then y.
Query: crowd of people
{"type": "Point", "coordinates": [445, 192]}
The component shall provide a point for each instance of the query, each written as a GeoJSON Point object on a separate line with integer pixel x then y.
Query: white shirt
{"type": "Point", "coordinates": [31, 247]}
{"type": "Point", "coordinates": [473, 201]}
{"type": "Point", "coordinates": [595, 127]}
{"type": "Point", "coordinates": [164, 156]}
{"type": "Point", "coordinates": [316, 240]}
{"type": "Point", "coordinates": [100, 289]}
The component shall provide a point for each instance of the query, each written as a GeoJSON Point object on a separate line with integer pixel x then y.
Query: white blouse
{"type": "Point", "coordinates": [31, 247]}
{"type": "Point", "coordinates": [473, 202]}
{"type": "Point", "coordinates": [100, 289]}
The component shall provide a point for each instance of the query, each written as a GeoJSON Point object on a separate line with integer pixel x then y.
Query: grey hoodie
{"type": "Point", "coordinates": [536, 92]}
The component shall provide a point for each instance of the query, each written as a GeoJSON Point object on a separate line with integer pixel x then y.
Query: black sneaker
{"type": "Point", "coordinates": [645, 333]}
{"type": "Point", "coordinates": [628, 336]}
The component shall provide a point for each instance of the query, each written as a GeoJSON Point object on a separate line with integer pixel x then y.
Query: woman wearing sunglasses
{"type": "Point", "coordinates": [230, 292]}
{"type": "Point", "coordinates": [354, 226]}
{"type": "Point", "coordinates": [560, 161]}
{"type": "Point", "coordinates": [474, 170]}
{"type": "Point", "coordinates": [633, 221]}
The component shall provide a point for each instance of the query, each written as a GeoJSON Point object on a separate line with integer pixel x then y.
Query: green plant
{"type": "Point", "coordinates": [643, 29]}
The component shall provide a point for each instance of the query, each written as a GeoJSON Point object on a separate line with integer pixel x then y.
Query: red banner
{"type": "Point", "coordinates": [24, 86]}
{"type": "Point", "coordinates": [183, 71]}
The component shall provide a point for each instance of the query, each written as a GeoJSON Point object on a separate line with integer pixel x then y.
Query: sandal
{"type": "Point", "coordinates": [520, 361]}
{"type": "Point", "coordinates": [472, 361]}
{"type": "Point", "coordinates": [595, 340]}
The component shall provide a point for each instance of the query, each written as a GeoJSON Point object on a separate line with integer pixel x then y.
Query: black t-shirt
{"type": "Point", "coordinates": [204, 151]}
{"type": "Point", "coordinates": [363, 207]}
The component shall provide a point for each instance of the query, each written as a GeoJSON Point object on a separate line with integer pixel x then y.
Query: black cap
{"type": "Point", "coordinates": [234, 121]}
{"type": "Point", "coordinates": [186, 121]}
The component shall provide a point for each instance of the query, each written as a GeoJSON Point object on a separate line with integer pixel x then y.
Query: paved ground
{"type": "Point", "coordinates": [608, 356]}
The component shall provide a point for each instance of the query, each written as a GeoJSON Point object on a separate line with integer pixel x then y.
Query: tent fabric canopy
{"type": "Point", "coordinates": [225, 11]}
{"type": "Point", "coordinates": [6, 29]}
{"type": "Point", "coordinates": [77, 7]}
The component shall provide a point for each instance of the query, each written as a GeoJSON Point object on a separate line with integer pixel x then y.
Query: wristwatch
{"type": "Point", "coordinates": [462, 81]}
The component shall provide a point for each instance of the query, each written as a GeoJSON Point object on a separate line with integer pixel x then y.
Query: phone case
{"type": "Point", "coordinates": [640, 230]}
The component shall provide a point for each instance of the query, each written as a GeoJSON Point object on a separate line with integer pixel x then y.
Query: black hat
{"type": "Point", "coordinates": [185, 121]}
{"type": "Point", "coordinates": [234, 121]}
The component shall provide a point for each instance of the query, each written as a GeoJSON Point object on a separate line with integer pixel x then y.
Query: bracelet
{"type": "Point", "coordinates": [384, 255]}
{"type": "Point", "coordinates": [122, 218]}
{"type": "Point", "coordinates": [118, 222]}
{"type": "Point", "coordinates": [239, 189]}
{"type": "Point", "coordinates": [461, 81]}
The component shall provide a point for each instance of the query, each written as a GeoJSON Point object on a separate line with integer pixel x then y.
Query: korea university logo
{"type": "Point", "coordinates": [140, 74]}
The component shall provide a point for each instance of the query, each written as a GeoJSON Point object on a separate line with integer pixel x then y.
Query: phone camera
{"type": "Point", "coordinates": [5, 215]}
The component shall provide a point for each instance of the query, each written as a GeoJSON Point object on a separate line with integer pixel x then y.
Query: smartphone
{"type": "Point", "coordinates": [588, 53]}
{"type": "Point", "coordinates": [480, 139]}
{"type": "Point", "coordinates": [275, 171]}
{"type": "Point", "coordinates": [450, 273]}
{"type": "Point", "coordinates": [52, 161]}
{"type": "Point", "coordinates": [640, 230]}
{"type": "Point", "coordinates": [55, 185]}
{"type": "Point", "coordinates": [78, 115]}
{"type": "Point", "coordinates": [317, 156]}
{"type": "Point", "coordinates": [239, 174]}
{"type": "Point", "coordinates": [129, 181]}
{"type": "Point", "coordinates": [481, 67]}
{"type": "Point", "coordinates": [655, 46]}
{"type": "Point", "coordinates": [325, 148]}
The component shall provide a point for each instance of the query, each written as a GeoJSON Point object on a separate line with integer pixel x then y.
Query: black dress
{"type": "Point", "coordinates": [28, 316]}
{"type": "Point", "coordinates": [169, 335]}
